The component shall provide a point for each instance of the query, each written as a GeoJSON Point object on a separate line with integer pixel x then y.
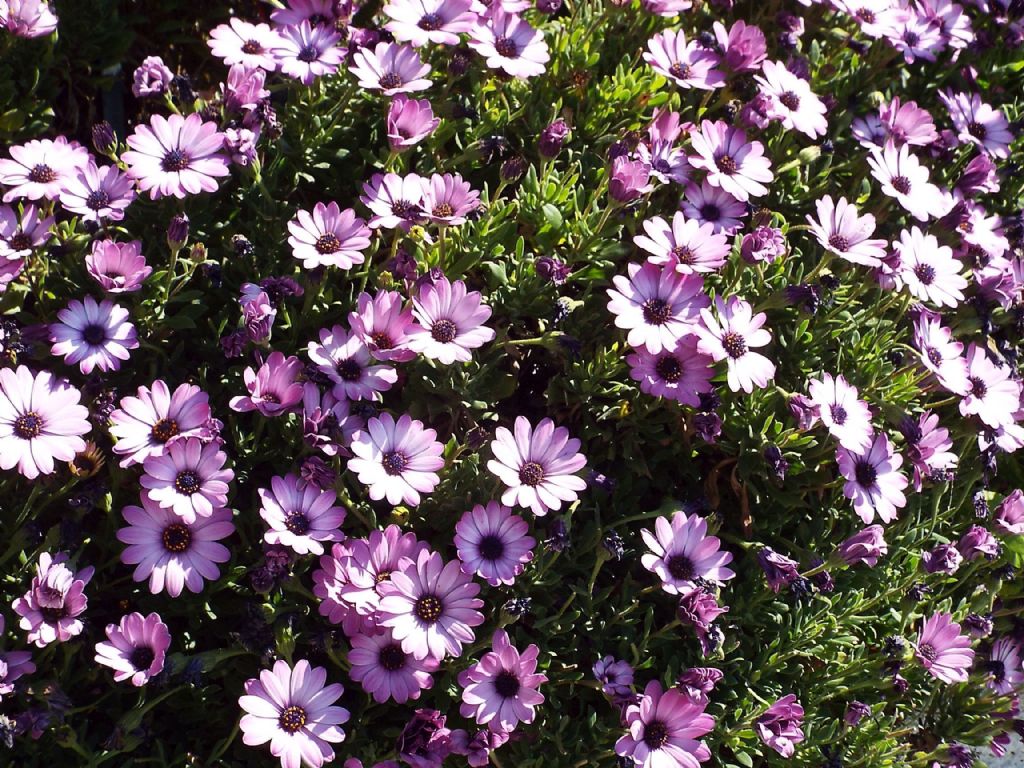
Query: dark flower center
{"type": "Point", "coordinates": [394, 462]}
{"type": "Point", "coordinates": [177, 537]}
{"type": "Point", "coordinates": [978, 387]}
{"type": "Point", "coordinates": [187, 482]}
{"type": "Point", "coordinates": [726, 164]}
{"type": "Point", "coordinates": [668, 369]}
{"type": "Point", "coordinates": [734, 345]}
{"type": "Point", "coordinates": [20, 242]}
{"type": "Point", "coordinates": [838, 414]}
{"type": "Point", "coordinates": [349, 369]}
{"type": "Point", "coordinates": [175, 161]}
{"type": "Point", "coordinates": [680, 71]}
{"type": "Point", "coordinates": [328, 242]}
{"type": "Point", "coordinates": [901, 184]}
{"type": "Point", "coordinates": [927, 651]}
{"type": "Point", "coordinates": [94, 335]}
{"type": "Point", "coordinates": [911, 38]}
{"type": "Point", "coordinates": [308, 54]}
{"type": "Point", "coordinates": [506, 684]}
{"type": "Point", "coordinates": [866, 15]}
{"type": "Point", "coordinates": [382, 576]}
{"type": "Point", "coordinates": [934, 356]}
{"type": "Point", "coordinates": [790, 101]}
{"type": "Point", "coordinates": [97, 199]}
{"type": "Point", "coordinates": [444, 331]}
{"type": "Point", "coordinates": [404, 209]}
{"type": "Point", "coordinates": [684, 254]}
{"type": "Point", "coordinates": [391, 657]}
{"type": "Point", "coordinates": [655, 734]}
{"type": "Point", "coordinates": [390, 80]}
{"type": "Point", "coordinates": [53, 614]}
{"type": "Point", "coordinates": [443, 211]}
{"type": "Point", "coordinates": [656, 311]}
{"type": "Point", "coordinates": [925, 273]}
{"type": "Point", "coordinates": [292, 719]}
{"type": "Point", "coordinates": [491, 547]}
{"type": "Point", "coordinates": [977, 130]}
{"type": "Point", "coordinates": [997, 670]}
{"type": "Point", "coordinates": [142, 657]}
{"type": "Point", "coordinates": [428, 608]}
{"type": "Point", "coordinates": [865, 473]}
{"type": "Point", "coordinates": [681, 567]}
{"type": "Point", "coordinates": [164, 430]}
{"type": "Point", "coordinates": [251, 47]}
{"type": "Point", "coordinates": [297, 523]}
{"type": "Point", "coordinates": [28, 425]}
{"type": "Point", "coordinates": [270, 397]}
{"type": "Point", "coordinates": [531, 473]}
{"type": "Point", "coordinates": [839, 242]}
{"type": "Point", "coordinates": [506, 47]}
{"type": "Point", "coordinates": [710, 212]}
{"type": "Point", "coordinates": [381, 340]}
{"type": "Point", "coordinates": [429, 22]}
{"type": "Point", "coordinates": [42, 174]}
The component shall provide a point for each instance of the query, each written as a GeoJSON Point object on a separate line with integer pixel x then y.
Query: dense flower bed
{"type": "Point", "coordinates": [560, 384]}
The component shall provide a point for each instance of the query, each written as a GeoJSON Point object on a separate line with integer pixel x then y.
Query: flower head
{"type": "Point", "coordinates": [383, 323]}
{"type": "Point", "coordinates": [448, 199]}
{"type": "Point", "coordinates": [307, 52]}
{"type": "Point", "coordinates": [97, 194]}
{"type": "Point", "coordinates": [682, 374]}
{"type": "Point", "coordinates": [509, 43]}
{"type": "Point", "coordinates": [151, 78]}
{"type": "Point", "coordinates": [791, 100]}
{"type": "Point", "coordinates": [994, 396]}
{"type": "Point", "coordinates": [40, 168]}
{"type": "Point", "coordinates": [873, 480]}
{"type": "Point", "coordinates": [189, 478]}
{"type": "Point", "coordinates": [493, 543]}
{"type": "Point", "coordinates": [345, 360]}
{"type": "Point", "coordinates": [866, 547]}
{"type": "Point", "coordinates": [273, 389]}
{"type": "Point", "coordinates": [135, 648]}
{"type": "Point", "coordinates": [927, 270]}
{"type": "Point", "coordinates": [846, 417]}
{"type": "Point", "coordinates": [386, 672]}
{"type": "Point", "coordinates": [843, 232]}
{"type": "Point", "coordinates": [736, 165]}
{"type": "Point", "coordinates": [28, 18]}
{"type": "Point", "coordinates": [93, 335]}
{"type": "Point", "coordinates": [743, 45]}
{"type": "Point", "coordinates": [942, 650]}
{"type": "Point", "coordinates": [978, 123]}
{"type": "Point", "coordinates": [731, 337]}
{"type": "Point", "coordinates": [1009, 518]}
{"type": "Point", "coordinates": [241, 42]}
{"type": "Point", "coordinates": [657, 305]}
{"type": "Point", "coordinates": [394, 201]}
{"type": "Point", "coordinates": [429, 21]}
{"type": "Point", "coordinates": [300, 515]}
{"type": "Point", "coordinates": [51, 608]}
{"type": "Point", "coordinates": [390, 68]}
{"type": "Point", "coordinates": [904, 178]}
{"type": "Point", "coordinates": [779, 727]}
{"type": "Point", "coordinates": [688, 246]}
{"type": "Point", "coordinates": [409, 122]}
{"type": "Point", "coordinates": [397, 460]}
{"type": "Point", "coordinates": [681, 552]}
{"type": "Point", "coordinates": [686, 63]}
{"type": "Point", "coordinates": [328, 237]}
{"type": "Point", "coordinates": [664, 729]}
{"type": "Point", "coordinates": [501, 690]}
{"type": "Point", "coordinates": [614, 675]}
{"type": "Point", "coordinates": [146, 423]}
{"type": "Point", "coordinates": [1004, 666]}
{"type": "Point", "coordinates": [449, 322]}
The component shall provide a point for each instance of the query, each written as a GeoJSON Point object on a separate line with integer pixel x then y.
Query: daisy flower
{"type": "Point", "coordinates": [39, 168]}
{"type": "Point", "coordinates": [20, 235]}
{"type": "Point", "coordinates": [51, 608]}
{"type": "Point", "coordinates": [689, 246]}
{"type": "Point", "coordinates": [941, 353]}
{"type": "Point", "coordinates": [409, 122]}
{"type": "Point", "coordinates": [876, 17]}
{"type": "Point", "coordinates": [97, 194]}
{"type": "Point", "coordinates": [493, 543]}
{"type": "Point", "coordinates": [927, 270]}
{"type": "Point", "coordinates": [994, 395]}
{"type": "Point", "coordinates": [682, 374]}
{"type": "Point", "coordinates": [28, 18]}
{"type": "Point", "coordinates": [906, 123]}
{"type": "Point", "coordinates": [145, 424]}
{"type": "Point", "coordinates": [300, 515]}
{"type": "Point", "coordinates": [842, 231]}
{"type": "Point", "coordinates": [346, 361]}
{"type": "Point", "coordinates": [394, 201]}
{"type": "Point", "coordinates": [791, 100]}
{"type": "Point", "coordinates": [429, 21]}
{"type": "Point", "coordinates": [779, 727]}
{"type": "Point", "coordinates": [189, 478]}
{"type": "Point", "coordinates": [657, 306]}
{"type": "Point", "coordinates": [117, 267]}
{"type": "Point", "coordinates": [449, 322]}
{"type": "Point", "coordinates": [383, 323]}
{"type": "Point", "coordinates": [328, 237]}
{"type": "Point", "coordinates": [873, 480]}
{"type": "Point", "coordinates": [903, 177]}
{"type": "Point", "coordinates": [328, 422]}
{"type": "Point", "coordinates": [928, 447]}
{"type": "Point", "coordinates": [681, 552]}
{"type": "Point", "coordinates": [977, 123]}
{"type": "Point", "coordinates": [668, 163]}
{"type": "Point", "coordinates": [397, 460]}
{"type": "Point", "coordinates": [510, 44]}
{"type": "Point", "coordinates": [93, 336]}
{"type": "Point", "coordinates": [273, 389]}
{"type": "Point", "coordinates": [915, 37]}
{"type": "Point", "coordinates": [292, 708]}
{"type": "Point", "coordinates": [390, 68]}
{"type": "Point", "coordinates": [431, 607]}
{"type": "Point", "coordinates": [845, 416]}
{"type": "Point", "coordinates": [41, 421]}
{"type": "Point", "coordinates": [743, 45]}
{"type": "Point", "coordinates": [737, 166]}
{"type": "Point", "coordinates": [307, 52]}
{"type": "Point", "coordinates": [170, 552]}
{"type": "Point", "coordinates": [686, 63]}
{"type": "Point", "coordinates": [538, 466]}
{"type": "Point", "coordinates": [731, 337]}
{"type": "Point", "coordinates": [501, 690]}
{"type": "Point", "coordinates": [240, 42]}
{"type": "Point", "coordinates": [386, 672]}
{"type": "Point", "coordinates": [664, 728]}
{"type": "Point", "coordinates": [448, 200]}
{"type": "Point", "coordinates": [942, 650]}
{"type": "Point", "coordinates": [713, 205]}
{"type": "Point", "coordinates": [1004, 666]}
{"type": "Point", "coordinates": [316, 12]}
{"type": "Point", "coordinates": [176, 156]}
{"type": "Point", "coordinates": [136, 648]}
{"type": "Point", "coordinates": [15, 664]}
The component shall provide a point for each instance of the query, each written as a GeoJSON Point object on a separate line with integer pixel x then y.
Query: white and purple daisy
{"type": "Point", "coordinates": [731, 337]}
{"type": "Point", "coordinates": [658, 306]}
{"type": "Point", "coordinates": [346, 361]}
{"type": "Point", "coordinates": [387, 672]}
{"type": "Point", "coordinates": [189, 478]}
{"type": "Point", "coordinates": [873, 481]}
{"type": "Point", "coordinates": [97, 194]}
{"type": "Point", "coordinates": [688, 246]}
{"type": "Point", "coordinates": [383, 323]}
{"type": "Point", "coordinates": [681, 552]}
{"type": "Point", "coordinates": [328, 237]}
{"type": "Point", "coordinates": [845, 416]}
{"type": "Point", "coordinates": [501, 690]}
{"type": "Point", "coordinates": [449, 322]}
{"type": "Point", "coordinates": [493, 543]}
{"type": "Point", "coordinates": [927, 270]}
{"type": "Point", "coordinates": [390, 68]}
{"type": "Point", "coordinates": [39, 168]}
{"type": "Point", "coordinates": [736, 165]}
{"type": "Point", "coordinates": [682, 374]}
{"type": "Point", "coordinates": [843, 232]}
{"type": "Point", "coordinates": [176, 156]}
{"type": "Point", "coordinates": [791, 100]}
{"type": "Point", "coordinates": [397, 460]}
{"type": "Point", "coordinates": [241, 42]}
{"type": "Point", "coordinates": [93, 335]}
{"type": "Point", "coordinates": [147, 422]}
{"type": "Point", "coordinates": [136, 648]}
{"type": "Point", "coordinates": [394, 201]}
{"type": "Point", "coordinates": [300, 515]}
{"type": "Point", "coordinates": [509, 43]}
{"type": "Point", "coordinates": [685, 63]}
{"type": "Point", "coordinates": [307, 52]}
{"type": "Point", "coordinates": [429, 21]}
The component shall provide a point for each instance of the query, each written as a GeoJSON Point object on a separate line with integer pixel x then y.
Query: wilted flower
{"type": "Point", "coordinates": [779, 727]}
{"type": "Point", "coordinates": [865, 547]}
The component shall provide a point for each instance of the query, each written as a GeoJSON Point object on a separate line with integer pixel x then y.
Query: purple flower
{"type": "Point", "coordinates": [188, 478]}
{"type": "Point", "coordinates": [28, 18]}
{"type": "Point", "coordinates": [614, 675]}
{"type": "Point", "coordinates": [425, 742]}
{"type": "Point", "coordinates": [13, 665]}
{"type": "Point", "coordinates": [865, 547]}
{"type": "Point", "coordinates": [493, 544]}
{"type": "Point", "coordinates": [509, 43]}
{"type": "Point", "coordinates": [664, 729]}
{"type": "Point", "coordinates": [780, 570]}
{"type": "Point", "coordinates": [733, 163]}
{"type": "Point", "coordinates": [145, 424]}
{"type": "Point", "coordinates": [243, 90]}
{"type": "Point", "coordinates": [763, 244]}
{"type": "Point", "coordinates": [683, 374]}
{"type": "Point", "coordinates": [97, 194]}
{"type": "Point", "coordinates": [873, 480]}
{"type": "Point", "coordinates": [1004, 666]}
{"type": "Point", "coordinates": [176, 156]}
{"type": "Point", "coordinates": [553, 269]}
{"type": "Point", "coordinates": [409, 122]}
{"type": "Point", "coordinates": [386, 672]}
{"type": "Point", "coordinates": [684, 62]}
{"type": "Point", "coordinates": [698, 682]}
{"type": "Point", "coordinates": [93, 335]}
{"type": "Point", "coordinates": [345, 360]}
{"type": "Point", "coordinates": [244, 43]}
{"type": "Point", "coordinates": [658, 306]}
{"type": "Point", "coordinates": [743, 46]}
{"type": "Point", "coordinates": [1009, 518]}
{"type": "Point", "coordinates": [928, 447]}
{"type": "Point", "coordinates": [779, 726]}
{"type": "Point", "coordinates": [855, 712]}
{"type": "Point", "coordinates": [328, 237]}
{"type": "Point", "coordinates": [685, 244]}
{"type": "Point", "coordinates": [942, 650]}
{"type": "Point", "coordinates": [552, 138]}
{"type": "Point", "coordinates": [135, 648]}
{"type": "Point", "coordinates": [273, 389]}
{"type": "Point", "coordinates": [698, 608]}
{"type": "Point", "coordinates": [390, 68]}
{"type": "Point", "coordinates": [306, 53]}
{"type": "Point", "coordinates": [429, 21]}
{"type": "Point", "coordinates": [300, 515]}
{"type": "Point", "coordinates": [448, 199]}
{"type": "Point", "coordinates": [731, 336]}
{"type": "Point", "coordinates": [397, 460]}
{"type": "Point", "coordinates": [51, 608]}
{"type": "Point", "coordinates": [40, 168]}
{"type": "Point", "coordinates": [945, 558]}
{"type": "Point", "coordinates": [630, 179]}
{"type": "Point", "coordinates": [977, 542]}
{"type": "Point", "coordinates": [501, 690]}
{"type": "Point", "coordinates": [151, 78]}
{"type": "Point", "coordinates": [843, 232]}
{"type": "Point", "coordinates": [682, 553]}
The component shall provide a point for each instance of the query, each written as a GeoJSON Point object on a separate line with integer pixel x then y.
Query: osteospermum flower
{"type": "Point", "coordinates": [394, 200]}
{"type": "Point", "coordinates": [686, 63]}
{"type": "Point", "coordinates": [493, 543]}
{"type": "Point", "coordinates": [144, 424]}
{"type": "Point", "coordinates": [328, 237]}
{"type": "Point", "coordinates": [448, 199]}
{"type": "Point", "coordinates": [97, 194]}
{"type": "Point", "coordinates": [307, 52]}
{"type": "Point", "coordinates": [978, 123]}
{"type": "Point", "coordinates": [346, 361]}
{"type": "Point", "coordinates": [41, 421]}
{"type": "Point", "coordinates": [688, 246]}
{"type": "Point", "coordinates": [429, 21]}
{"type": "Point", "coordinates": [13, 665]}
{"type": "Point", "coordinates": [928, 447]}
{"type": "Point", "coordinates": [791, 100]}
{"type": "Point", "coordinates": [681, 552]}
{"type": "Point", "coordinates": [510, 44]}
{"type": "Point", "coordinates": [927, 270]}
{"type": "Point", "coordinates": [904, 178]}
{"type": "Point", "coordinates": [383, 323]}
{"type": "Point", "coordinates": [39, 168]}
{"type": "Point", "coordinates": [449, 322]}
{"type": "Point", "coordinates": [841, 230]}
{"type": "Point", "coordinates": [273, 389]}
{"type": "Point", "coordinates": [241, 42]}
{"type": "Point", "coordinates": [501, 690]}
{"type": "Point", "coordinates": [847, 417]}
{"type": "Point", "coordinates": [170, 552]}
{"type": "Point", "coordinates": [176, 156]}
{"type": "Point", "coordinates": [397, 460]}
{"type": "Point", "coordinates": [431, 607]}
{"type": "Point", "coordinates": [93, 335]}
{"type": "Point", "coordinates": [19, 235]}
{"type": "Point", "coordinates": [731, 337]}
{"type": "Point", "coordinates": [657, 306]}
{"type": "Point", "coordinates": [189, 478]}
{"type": "Point", "coordinates": [1004, 666]}
{"type": "Point", "coordinates": [292, 708]}
{"type": "Point", "coordinates": [664, 729]}
{"type": "Point", "coordinates": [941, 353]}
{"type": "Point", "coordinates": [409, 122]}
{"type": "Point", "coordinates": [300, 515]}
{"type": "Point", "coordinates": [51, 608]}
{"type": "Point", "coordinates": [135, 648]}
{"type": "Point", "coordinates": [736, 165]}
{"type": "Point", "coordinates": [295, 12]}
{"type": "Point", "coordinates": [682, 374]}
{"type": "Point", "coordinates": [994, 396]}
{"type": "Point", "coordinates": [942, 650]}
{"type": "Point", "coordinates": [391, 69]}
{"type": "Point", "coordinates": [117, 267]}
{"type": "Point", "coordinates": [873, 480]}
{"type": "Point", "coordinates": [28, 18]}
{"type": "Point", "coordinates": [712, 205]}
{"type": "Point", "coordinates": [386, 672]}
